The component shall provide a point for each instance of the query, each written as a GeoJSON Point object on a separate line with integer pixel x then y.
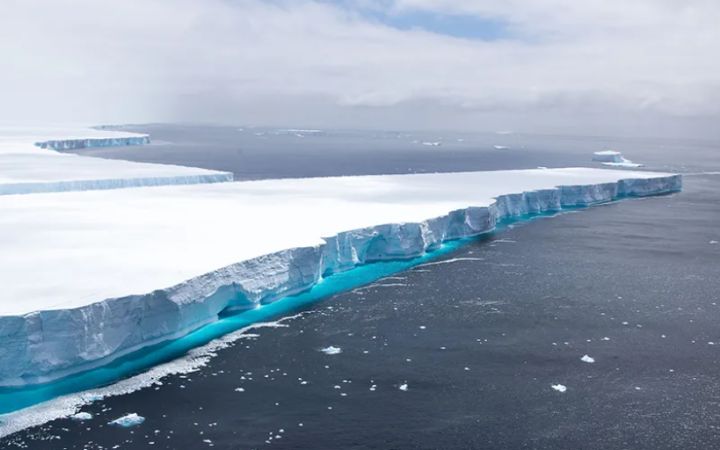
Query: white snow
{"type": "Point", "coordinates": [129, 420]}
{"type": "Point", "coordinates": [559, 387]}
{"type": "Point", "coordinates": [91, 275]}
{"type": "Point", "coordinates": [25, 167]}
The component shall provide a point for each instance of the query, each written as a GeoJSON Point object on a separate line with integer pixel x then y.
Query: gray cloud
{"type": "Point", "coordinates": [579, 65]}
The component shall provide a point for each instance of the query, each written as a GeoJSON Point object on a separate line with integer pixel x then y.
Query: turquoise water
{"type": "Point", "coordinates": [15, 398]}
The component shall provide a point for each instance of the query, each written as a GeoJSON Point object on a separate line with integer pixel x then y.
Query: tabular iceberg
{"type": "Point", "coordinates": [31, 161]}
{"type": "Point", "coordinates": [90, 276]}
{"type": "Point", "coordinates": [613, 158]}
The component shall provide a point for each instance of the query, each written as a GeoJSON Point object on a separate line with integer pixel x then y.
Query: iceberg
{"type": "Point", "coordinates": [31, 161]}
{"type": "Point", "coordinates": [91, 276]}
{"type": "Point", "coordinates": [614, 159]}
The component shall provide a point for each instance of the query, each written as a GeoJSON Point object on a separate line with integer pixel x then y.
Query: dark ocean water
{"type": "Point", "coordinates": [476, 338]}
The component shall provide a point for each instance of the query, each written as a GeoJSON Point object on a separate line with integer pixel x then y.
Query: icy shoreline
{"type": "Point", "coordinates": [45, 345]}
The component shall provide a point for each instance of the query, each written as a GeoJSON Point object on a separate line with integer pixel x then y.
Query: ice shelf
{"type": "Point", "coordinates": [89, 276]}
{"type": "Point", "coordinates": [31, 161]}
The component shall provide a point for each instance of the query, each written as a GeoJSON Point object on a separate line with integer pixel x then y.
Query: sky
{"type": "Point", "coordinates": [641, 67]}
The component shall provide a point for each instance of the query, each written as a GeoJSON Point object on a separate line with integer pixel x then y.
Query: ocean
{"type": "Point", "coordinates": [616, 305]}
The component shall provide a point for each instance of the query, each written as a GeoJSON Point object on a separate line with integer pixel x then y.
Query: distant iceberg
{"type": "Point", "coordinates": [33, 161]}
{"type": "Point", "coordinates": [614, 159]}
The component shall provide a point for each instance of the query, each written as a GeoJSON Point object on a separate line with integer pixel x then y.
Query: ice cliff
{"type": "Point", "coordinates": [32, 161]}
{"type": "Point", "coordinates": [613, 158]}
{"type": "Point", "coordinates": [47, 344]}
{"type": "Point", "coordinates": [77, 143]}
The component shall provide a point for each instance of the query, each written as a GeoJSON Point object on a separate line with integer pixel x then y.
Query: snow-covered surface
{"type": "Point", "coordinates": [29, 163]}
{"type": "Point", "coordinates": [91, 275]}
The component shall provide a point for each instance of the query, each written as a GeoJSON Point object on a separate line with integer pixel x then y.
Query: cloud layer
{"type": "Point", "coordinates": [335, 63]}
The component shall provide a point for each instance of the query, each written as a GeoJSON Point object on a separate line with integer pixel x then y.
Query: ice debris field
{"type": "Point", "coordinates": [91, 275]}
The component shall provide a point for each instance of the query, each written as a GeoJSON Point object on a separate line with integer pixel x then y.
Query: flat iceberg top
{"type": "Point", "coordinates": [65, 250]}
{"type": "Point", "coordinates": [606, 152]}
{"type": "Point", "coordinates": [27, 168]}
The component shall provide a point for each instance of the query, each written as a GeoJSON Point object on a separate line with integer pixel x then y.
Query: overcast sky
{"type": "Point", "coordinates": [638, 67]}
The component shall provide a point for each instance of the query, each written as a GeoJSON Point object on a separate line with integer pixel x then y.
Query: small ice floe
{"type": "Point", "coordinates": [605, 339]}
{"type": "Point", "coordinates": [423, 327]}
{"type": "Point", "coordinates": [713, 242]}
{"type": "Point", "coordinates": [500, 147]}
{"type": "Point", "coordinates": [403, 387]}
{"type": "Point", "coordinates": [239, 389]}
{"type": "Point", "coordinates": [542, 167]}
{"type": "Point", "coordinates": [432, 144]}
{"type": "Point", "coordinates": [559, 387]}
{"type": "Point", "coordinates": [587, 359]}
{"type": "Point", "coordinates": [81, 416]}
{"type": "Point", "coordinates": [129, 420]}
{"type": "Point", "coordinates": [331, 350]}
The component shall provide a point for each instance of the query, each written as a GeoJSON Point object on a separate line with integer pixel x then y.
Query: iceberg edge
{"type": "Point", "coordinates": [46, 345]}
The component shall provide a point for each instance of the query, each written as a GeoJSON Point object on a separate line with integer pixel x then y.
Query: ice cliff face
{"type": "Point", "coordinates": [614, 159]}
{"type": "Point", "coordinates": [72, 144]}
{"type": "Point", "coordinates": [46, 345]}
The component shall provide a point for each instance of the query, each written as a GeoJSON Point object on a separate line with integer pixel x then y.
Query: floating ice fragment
{"type": "Point", "coordinates": [605, 338]}
{"type": "Point", "coordinates": [500, 147]}
{"type": "Point", "coordinates": [587, 359]}
{"type": "Point", "coordinates": [81, 416]}
{"type": "Point", "coordinates": [239, 389]}
{"type": "Point", "coordinates": [403, 387]}
{"type": "Point", "coordinates": [559, 387]}
{"type": "Point", "coordinates": [331, 350]}
{"type": "Point", "coordinates": [129, 420]}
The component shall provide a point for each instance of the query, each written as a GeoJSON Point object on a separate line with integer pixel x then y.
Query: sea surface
{"type": "Point", "coordinates": [593, 329]}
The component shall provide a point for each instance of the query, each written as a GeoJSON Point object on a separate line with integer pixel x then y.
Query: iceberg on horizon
{"type": "Point", "coordinates": [32, 160]}
{"type": "Point", "coordinates": [614, 159]}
